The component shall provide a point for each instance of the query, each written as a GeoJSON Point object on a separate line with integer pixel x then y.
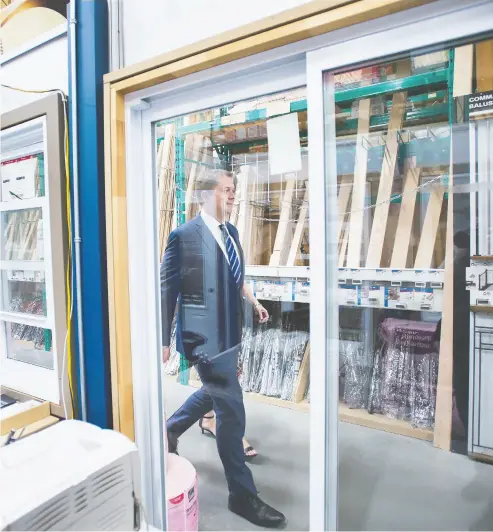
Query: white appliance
{"type": "Point", "coordinates": [71, 476]}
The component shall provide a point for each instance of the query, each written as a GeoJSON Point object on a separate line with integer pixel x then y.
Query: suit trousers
{"type": "Point", "coordinates": [222, 393]}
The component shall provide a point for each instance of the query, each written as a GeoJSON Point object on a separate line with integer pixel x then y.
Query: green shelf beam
{"type": "Point", "coordinates": [384, 87]}
{"type": "Point", "coordinates": [382, 120]}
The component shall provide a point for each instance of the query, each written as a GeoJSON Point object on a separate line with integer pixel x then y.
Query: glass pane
{"type": "Point", "coordinates": [23, 164]}
{"type": "Point", "coordinates": [22, 235]}
{"type": "Point", "coordinates": [232, 191]}
{"type": "Point", "coordinates": [29, 344]}
{"type": "Point", "coordinates": [414, 239]}
{"type": "Point", "coordinates": [24, 291]}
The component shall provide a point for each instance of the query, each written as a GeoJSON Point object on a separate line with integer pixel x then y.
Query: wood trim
{"type": "Point", "coordinates": [334, 19]}
{"type": "Point", "coordinates": [26, 417]}
{"type": "Point", "coordinates": [259, 26]}
{"type": "Point", "coordinates": [307, 21]}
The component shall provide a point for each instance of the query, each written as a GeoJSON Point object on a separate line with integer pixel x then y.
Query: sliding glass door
{"type": "Point", "coordinates": [399, 123]}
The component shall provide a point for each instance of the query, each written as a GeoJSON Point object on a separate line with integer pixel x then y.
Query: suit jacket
{"type": "Point", "coordinates": [196, 275]}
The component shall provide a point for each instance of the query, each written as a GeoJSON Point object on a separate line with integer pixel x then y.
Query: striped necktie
{"type": "Point", "coordinates": [234, 260]}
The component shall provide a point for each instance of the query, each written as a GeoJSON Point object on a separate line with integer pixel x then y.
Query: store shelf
{"type": "Point", "coordinates": [385, 87]}
{"type": "Point", "coordinates": [346, 415]}
{"type": "Point", "coordinates": [380, 422]}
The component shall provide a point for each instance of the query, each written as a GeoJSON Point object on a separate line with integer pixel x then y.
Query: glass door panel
{"type": "Point", "coordinates": [243, 165]}
{"type": "Point", "coordinates": [413, 233]}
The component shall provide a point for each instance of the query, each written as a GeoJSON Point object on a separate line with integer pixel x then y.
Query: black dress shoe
{"type": "Point", "coordinates": [253, 509]}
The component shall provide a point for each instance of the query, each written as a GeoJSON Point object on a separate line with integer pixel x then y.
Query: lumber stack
{"type": "Point", "coordinates": [166, 186]}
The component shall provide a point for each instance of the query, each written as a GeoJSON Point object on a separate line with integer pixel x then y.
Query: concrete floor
{"type": "Point", "coordinates": [387, 482]}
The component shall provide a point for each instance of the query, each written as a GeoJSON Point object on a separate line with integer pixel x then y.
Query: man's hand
{"type": "Point", "coordinates": [262, 314]}
{"type": "Point", "coordinates": [166, 353]}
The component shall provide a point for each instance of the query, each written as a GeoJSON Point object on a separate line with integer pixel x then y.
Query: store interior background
{"type": "Point", "coordinates": [387, 481]}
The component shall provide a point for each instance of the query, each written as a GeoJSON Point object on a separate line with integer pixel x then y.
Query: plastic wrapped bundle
{"type": "Point", "coordinates": [356, 365]}
{"type": "Point", "coordinates": [172, 366]}
{"type": "Point", "coordinates": [423, 390]}
{"type": "Point", "coordinates": [406, 370]}
{"type": "Point", "coordinates": [245, 359]}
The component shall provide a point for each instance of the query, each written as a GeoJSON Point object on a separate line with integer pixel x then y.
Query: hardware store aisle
{"type": "Point", "coordinates": [388, 482]}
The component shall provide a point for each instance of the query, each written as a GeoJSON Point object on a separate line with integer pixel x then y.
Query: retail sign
{"type": "Point", "coordinates": [480, 104]}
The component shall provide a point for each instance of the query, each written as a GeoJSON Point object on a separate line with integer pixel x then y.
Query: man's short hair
{"type": "Point", "coordinates": [210, 180]}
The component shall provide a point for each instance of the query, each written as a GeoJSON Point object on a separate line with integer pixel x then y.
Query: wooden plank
{"type": "Point", "coordinates": [443, 410]}
{"type": "Point", "coordinates": [381, 211]}
{"type": "Point", "coordinates": [303, 377]}
{"type": "Point", "coordinates": [354, 13]}
{"type": "Point", "coordinates": [484, 66]}
{"type": "Point", "coordinates": [280, 251]}
{"type": "Point", "coordinates": [19, 415]}
{"type": "Point", "coordinates": [379, 422]}
{"type": "Point", "coordinates": [463, 70]}
{"type": "Point", "coordinates": [37, 426]}
{"type": "Point", "coordinates": [299, 231]}
{"type": "Point", "coordinates": [359, 186]}
{"type": "Point", "coordinates": [424, 255]}
{"type": "Point", "coordinates": [406, 215]}
{"type": "Point", "coordinates": [343, 247]}
{"type": "Point", "coordinates": [197, 151]}
{"type": "Point", "coordinates": [343, 201]}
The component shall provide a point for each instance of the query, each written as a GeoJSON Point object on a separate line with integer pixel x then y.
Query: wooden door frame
{"type": "Point", "coordinates": [309, 20]}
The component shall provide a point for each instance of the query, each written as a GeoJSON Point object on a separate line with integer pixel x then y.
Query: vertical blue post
{"type": "Point", "coordinates": [92, 62]}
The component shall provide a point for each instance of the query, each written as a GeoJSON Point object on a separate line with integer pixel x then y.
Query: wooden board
{"type": "Point", "coordinates": [381, 211]}
{"type": "Point", "coordinates": [406, 215]}
{"type": "Point", "coordinates": [359, 186]}
{"type": "Point", "coordinates": [484, 66]}
{"type": "Point", "coordinates": [443, 410]}
{"type": "Point", "coordinates": [343, 201]}
{"type": "Point", "coordinates": [303, 377]}
{"type": "Point", "coordinates": [299, 231]}
{"type": "Point", "coordinates": [281, 250]}
{"type": "Point", "coordinates": [380, 422]}
{"type": "Point", "coordinates": [343, 247]}
{"type": "Point", "coordinates": [463, 70]}
{"type": "Point", "coordinates": [424, 255]}
{"type": "Point", "coordinates": [12, 417]}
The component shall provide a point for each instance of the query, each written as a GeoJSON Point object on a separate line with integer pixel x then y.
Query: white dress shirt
{"type": "Point", "coordinates": [213, 225]}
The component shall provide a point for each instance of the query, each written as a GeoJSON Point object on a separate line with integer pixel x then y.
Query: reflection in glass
{"type": "Point", "coordinates": [24, 291]}
{"type": "Point", "coordinates": [23, 235]}
{"type": "Point", "coordinates": [29, 344]}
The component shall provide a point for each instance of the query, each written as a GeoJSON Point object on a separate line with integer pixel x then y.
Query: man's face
{"type": "Point", "coordinates": [224, 195]}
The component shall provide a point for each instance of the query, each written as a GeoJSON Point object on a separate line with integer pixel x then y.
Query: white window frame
{"type": "Point", "coordinates": [15, 374]}
{"type": "Point", "coordinates": [433, 23]}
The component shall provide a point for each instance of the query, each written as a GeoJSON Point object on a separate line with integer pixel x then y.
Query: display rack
{"type": "Point", "coordinates": [408, 126]}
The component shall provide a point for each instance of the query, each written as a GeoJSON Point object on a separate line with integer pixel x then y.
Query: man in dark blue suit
{"type": "Point", "coordinates": [203, 270]}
